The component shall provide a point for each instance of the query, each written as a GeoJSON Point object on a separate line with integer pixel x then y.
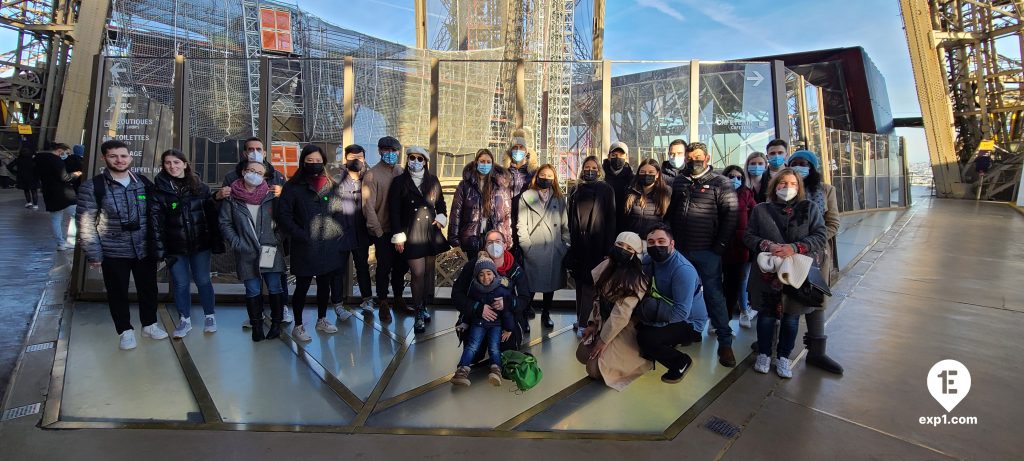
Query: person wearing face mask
{"type": "Point", "coordinates": [647, 199]}
{"type": "Point", "coordinates": [185, 227]}
{"type": "Point", "coordinates": [520, 162]}
{"type": "Point", "coordinates": [391, 267]}
{"type": "Point", "coordinates": [543, 229]}
{"type": "Point", "coordinates": [703, 215]}
{"type": "Point", "coordinates": [482, 202]}
{"type": "Point", "coordinates": [673, 311]}
{"type": "Point", "coordinates": [805, 163]}
{"type": "Point", "coordinates": [736, 260]}
{"type": "Point", "coordinates": [675, 161]}
{"type": "Point", "coordinates": [619, 175]}
{"type": "Point", "coordinates": [355, 241]}
{"type": "Point", "coordinates": [591, 213]}
{"type": "Point", "coordinates": [309, 212]}
{"type": "Point", "coordinates": [418, 215]}
{"type": "Point", "coordinates": [496, 249]}
{"type": "Point", "coordinates": [776, 152]}
{"type": "Point", "coordinates": [756, 165]}
{"type": "Point", "coordinates": [786, 225]}
{"type": "Point", "coordinates": [248, 227]}
{"type": "Point", "coordinates": [59, 186]}
{"type": "Point", "coordinates": [608, 347]}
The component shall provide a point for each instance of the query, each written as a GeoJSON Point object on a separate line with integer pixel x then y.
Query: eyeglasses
{"type": "Point", "coordinates": [417, 158]}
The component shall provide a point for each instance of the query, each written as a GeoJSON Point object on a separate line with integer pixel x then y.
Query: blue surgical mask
{"type": "Point", "coordinates": [64, 156]}
{"type": "Point", "coordinates": [390, 158]}
{"type": "Point", "coordinates": [416, 166]}
{"type": "Point", "coordinates": [518, 155]}
{"type": "Point", "coordinates": [756, 170]}
{"type": "Point", "coordinates": [678, 162]}
{"type": "Point", "coordinates": [776, 161]}
{"type": "Point", "coordinates": [484, 168]}
{"type": "Point", "coordinates": [736, 183]}
{"type": "Point", "coordinates": [803, 171]}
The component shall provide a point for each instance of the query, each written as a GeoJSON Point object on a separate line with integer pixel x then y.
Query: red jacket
{"type": "Point", "coordinates": [737, 252]}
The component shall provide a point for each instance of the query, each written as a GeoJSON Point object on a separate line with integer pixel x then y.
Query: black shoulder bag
{"type": "Point", "coordinates": [815, 288]}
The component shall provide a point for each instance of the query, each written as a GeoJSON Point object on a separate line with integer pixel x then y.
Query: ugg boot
{"type": "Point", "coordinates": [254, 306]}
{"type": "Point", "coordinates": [816, 356]}
{"type": "Point", "coordinates": [276, 315]}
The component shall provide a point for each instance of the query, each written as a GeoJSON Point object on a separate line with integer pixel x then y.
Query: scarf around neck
{"type": "Point", "coordinates": [506, 263]}
{"type": "Point", "coordinates": [252, 198]}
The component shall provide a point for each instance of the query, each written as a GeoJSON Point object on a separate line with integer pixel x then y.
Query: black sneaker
{"type": "Point", "coordinates": [674, 376]}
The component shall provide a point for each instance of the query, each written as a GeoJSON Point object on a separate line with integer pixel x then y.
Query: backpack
{"type": "Point", "coordinates": [521, 368]}
{"type": "Point", "coordinates": [99, 188]}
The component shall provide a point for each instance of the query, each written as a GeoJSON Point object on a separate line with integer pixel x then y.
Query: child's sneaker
{"type": "Point", "coordinates": [461, 377]}
{"type": "Point", "coordinates": [495, 376]}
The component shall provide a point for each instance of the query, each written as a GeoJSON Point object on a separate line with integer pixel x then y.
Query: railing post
{"type": "Point", "coordinates": [520, 117]}
{"type": "Point", "coordinates": [181, 103]}
{"type": "Point", "coordinates": [349, 108]}
{"type": "Point", "coordinates": [606, 109]}
{"type": "Point", "coordinates": [782, 129]}
{"type": "Point", "coordinates": [265, 111]}
{"type": "Point", "coordinates": [694, 114]}
{"type": "Point", "coordinates": [435, 92]}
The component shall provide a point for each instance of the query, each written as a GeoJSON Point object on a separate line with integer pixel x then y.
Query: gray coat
{"type": "Point", "coordinates": [238, 233]}
{"type": "Point", "coordinates": [543, 233]}
{"type": "Point", "coordinates": [99, 225]}
{"type": "Point", "coordinates": [806, 226]}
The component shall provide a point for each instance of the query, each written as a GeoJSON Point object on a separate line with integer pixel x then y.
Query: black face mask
{"type": "Point", "coordinates": [543, 183]}
{"type": "Point", "coordinates": [354, 165]}
{"type": "Point", "coordinates": [312, 169]}
{"type": "Point", "coordinates": [590, 175]}
{"type": "Point", "coordinates": [617, 163]}
{"type": "Point", "coordinates": [696, 166]}
{"type": "Point", "coordinates": [658, 253]}
{"type": "Point", "coordinates": [621, 255]}
{"type": "Point", "coordinates": [646, 179]}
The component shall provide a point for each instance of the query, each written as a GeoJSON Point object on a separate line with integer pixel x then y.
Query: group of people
{"type": "Point", "coordinates": [656, 255]}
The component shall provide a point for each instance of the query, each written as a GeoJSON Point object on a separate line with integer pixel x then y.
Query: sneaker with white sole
{"type": "Point", "coordinates": [28, 205]}
{"type": "Point", "coordinates": [341, 311]}
{"type": "Point", "coordinates": [127, 340]}
{"type": "Point", "coordinates": [762, 364]}
{"type": "Point", "coordinates": [461, 377]}
{"type": "Point", "coordinates": [368, 305]}
{"type": "Point", "coordinates": [299, 333]}
{"type": "Point", "coordinates": [246, 325]}
{"type": "Point", "coordinates": [494, 376]}
{"type": "Point", "coordinates": [287, 316]}
{"type": "Point", "coordinates": [210, 324]}
{"type": "Point", "coordinates": [747, 317]}
{"type": "Point", "coordinates": [784, 367]}
{"type": "Point", "coordinates": [184, 326]}
{"type": "Point", "coordinates": [154, 332]}
{"type": "Point", "coordinates": [325, 326]}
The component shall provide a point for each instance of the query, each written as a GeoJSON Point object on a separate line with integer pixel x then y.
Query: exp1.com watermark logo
{"type": "Point", "coordinates": [949, 381]}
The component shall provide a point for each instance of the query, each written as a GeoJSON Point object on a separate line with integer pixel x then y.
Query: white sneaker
{"type": "Point", "coordinates": [28, 205]}
{"type": "Point", "coordinates": [343, 314]}
{"type": "Point", "coordinates": [326, 327]}
{"type": "Point", "coordinates": [127, 340]}
{"type": "Point", "coordinates": [210, 324]}
{"type": "Point", "coordinates": [184, 326]}
{"type": "Point", "coordinates": [154, 331]}
{"type": "Point", "coordinates": [35, 207]}
{"type": "Point", "coordinates": [368, 305]}
{"type": "Point", "coordinates": [246, 325]}
{"type": "Point", "coordinates": [288, 317]}
{"type": "Point", "coordinates": [747, 317]}
{"type": "Point", "coordinates": [299, 334]}
{"type": "Point", "coordinates": [762, 364]}
{"type": "Point", "coordinates": [784, 367]}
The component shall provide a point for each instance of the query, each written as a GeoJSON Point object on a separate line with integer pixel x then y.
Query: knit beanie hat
{"type": "Point", "coordinates": [806, 155]}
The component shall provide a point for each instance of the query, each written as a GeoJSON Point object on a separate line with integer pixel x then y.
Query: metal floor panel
{"type": "Point", "coordinates": [647, 405]}
{"type": "Point", "coordinates": [483, 406]}
{"type": "Point", "coordinates": [259, 383]}
{"type": "Point", "coordinates": [441, 319]}
{"type": "Point", "coordinates": [102, 382]}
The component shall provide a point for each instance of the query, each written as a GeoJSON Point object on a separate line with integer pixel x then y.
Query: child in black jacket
{"type": "Point", "coordinates": [487, 289]}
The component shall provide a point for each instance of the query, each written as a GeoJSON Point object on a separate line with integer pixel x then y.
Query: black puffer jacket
{"type": "Point", "coordinates": [620, 184]}
{"type": "Point", "coordinates": [314, 224]}
{"type": "Point", "coordinates": [703, 212]}
{"type": "Point", "coordinates": [183, 223]}
{"type": "Point", "coordinates": [669, 172]}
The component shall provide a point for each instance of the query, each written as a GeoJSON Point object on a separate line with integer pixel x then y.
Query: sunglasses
{"type": "Point", "coordinates": [417, 158]}
{"type": "Point", "coordinates": [735, 176]}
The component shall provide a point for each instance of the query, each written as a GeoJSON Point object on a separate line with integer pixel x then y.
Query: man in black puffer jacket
{"type": "Point", "coordinates": [703, 218]}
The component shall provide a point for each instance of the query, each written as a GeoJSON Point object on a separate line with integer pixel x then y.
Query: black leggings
{"type": "Point", "coordinates": [32, 196]}
{"type": "Point", "coordinates": [423, 275]}
{"type": "Point", "coordinates": [323, 295]}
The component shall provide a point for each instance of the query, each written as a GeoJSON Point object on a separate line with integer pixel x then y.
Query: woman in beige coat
{"type": "Point", "coordinates": [609, 348]}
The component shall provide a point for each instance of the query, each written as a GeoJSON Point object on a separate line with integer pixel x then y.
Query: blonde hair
{"type": "Point", "coordinates": [746, 173]}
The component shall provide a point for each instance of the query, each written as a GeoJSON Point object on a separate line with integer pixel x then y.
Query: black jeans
{"type": "Point", "coordinates": [659, 343]}
{"type": "Point", "coordinates": [323, 294]}
{"type": "Point", "coordinates": [362, 261]}
{"type": "Point", "coordinates": [391, 267]}
{"type": "Point", "coordinates": [116, 273]}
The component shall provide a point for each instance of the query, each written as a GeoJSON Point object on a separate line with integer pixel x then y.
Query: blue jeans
{"type": "Point", "coordinates": [744, 296]}
{"type": "Point", "coordinates": [787, 333]}
{"type": "Point", "coordinates": [195, 268]}
{"type": "Point", "coordinates": [709, 268]}
{"type": "Point", "coordinates": [63, 225]}
{"type": "Point", "coordinates": [475, 339]}
{"type": "Point", "coordinates": [272, 279]}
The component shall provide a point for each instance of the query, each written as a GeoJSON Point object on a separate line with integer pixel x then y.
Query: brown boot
{"type": "Point", "coordinates": [384, 310]}
{"type": "Point", "coordinates": [726, 357]}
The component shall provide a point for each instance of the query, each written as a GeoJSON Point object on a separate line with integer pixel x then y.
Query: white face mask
{"type": "Point", "coordinates": [495, 249]}
{"type": "Point", "coordinates": [786, 193]}
{"type": "Point", "coordinates": [253, 179]}
{"type": "Point", "coordinates": [416, 166]}
{"type": "Point", "coordinates": [255, 156]}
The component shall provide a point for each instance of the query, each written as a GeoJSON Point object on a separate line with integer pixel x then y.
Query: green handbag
{"type": "Point", "coordinates": [521, 368]}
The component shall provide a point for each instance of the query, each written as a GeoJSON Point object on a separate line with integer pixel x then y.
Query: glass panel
{"type": "Point", "coordinates": [793, 105]}
{"type": "Point", "coordinates": [813, 136]}
{"type": "Point", "coordinates": [650, 107]}
{"type": "Point", "coordinates": [392, 98]}
{"type": "Point", "coordinates": [736, 116]}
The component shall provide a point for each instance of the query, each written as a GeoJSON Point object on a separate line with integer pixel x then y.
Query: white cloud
{"type": "Point", "coordinates": [663, 6]}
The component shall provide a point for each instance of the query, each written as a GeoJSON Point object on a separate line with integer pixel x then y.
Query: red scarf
{"type": "Point", "coordinates": [506, 264]}
{"type": "Point", "coordinates": [253, 198]}
{"type": "Point", "coordinates": [318, 183]}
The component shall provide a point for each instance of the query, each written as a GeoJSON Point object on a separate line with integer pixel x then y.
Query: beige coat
{"type": "Point", "coordinates": [376, 184]}
{"type": "Point", "coordinates": [620, 362]}
{"type": "Point", "coordinates": [832, 228]}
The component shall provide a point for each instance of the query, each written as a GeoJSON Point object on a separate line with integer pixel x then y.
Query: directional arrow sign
{"type": "Point", "coordinates": [757, 78]}
{"type": "Point", "coordinates": [116, 70]}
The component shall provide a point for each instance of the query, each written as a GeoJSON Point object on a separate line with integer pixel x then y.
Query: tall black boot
{"type": "Point", "coordinates": [421, 324]}
{"type": "Point", "coordinates": [545, 318]}
{"type": "Point", "coordinates": [816, 356]}
{"type": "Point", "coordinates": [255, 307]}
{"type": "Point", "coordinates": [276, 315]}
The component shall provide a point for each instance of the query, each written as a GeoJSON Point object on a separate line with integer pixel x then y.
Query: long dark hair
{"type": "Point", "coordinates": [486, 186]}
{"type": "Point", "coordinates": [621, 281]}
{"type": "Point", "coordinates": [308, 150]}
{"type": "Point", "coordinates": [813, 179]}
{"type": "Point", "coordinates": [191, 179]}
{"type": "Point", "coordinates": [661, 192]}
